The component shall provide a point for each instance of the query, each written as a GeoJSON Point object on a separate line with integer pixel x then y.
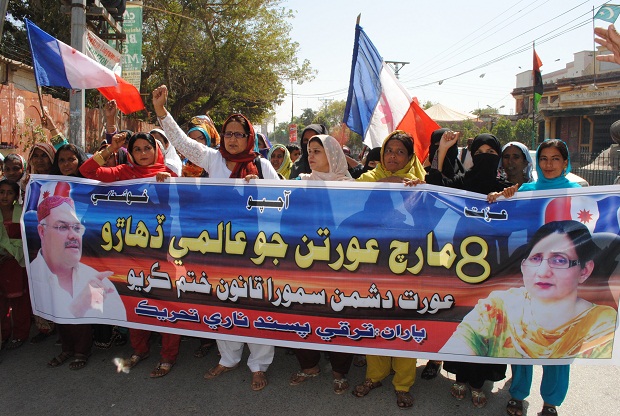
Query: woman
{"type": "Point", "coordinates": [14, 281]}
{"type": "Point", "coordinates": [301, 164]}
{"type": "Point", "coordinates": [481, 178]}
{"type": "Point", "coordinates": [516, 163]}
{"type": "Point", "coordinates": [68, 160]}
{"type": "Point", "coordinates": [552, 167]}
{"type": "Point", "coordinates": [280, 160]}
{"type": "Point", "coordinates": [234, 159]}
{"type": "Point", "coordinates": [146, 160]}
{"type": "Point", "coordinates": [328, 163]}
{"type": "Point", "coordinates": [398, 161]}
{"type": "Point", "coordinates": [40, 161]}
{"type": "Point", "coordinates": [452, 165]}
{"type": "Point", "coordinates": [14, 167]}
{"type": "Point", "coordinates": [398, 164]}
{"type": "Point", "coordinates": [202, 129]}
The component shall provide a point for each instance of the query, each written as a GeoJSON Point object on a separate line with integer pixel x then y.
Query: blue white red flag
{"type": "Point", "coordinates": [378, 104]}
{"type": "Point", "coordinates": [57, 64]}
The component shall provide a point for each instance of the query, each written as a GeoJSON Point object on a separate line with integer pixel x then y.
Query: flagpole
{"type": "Point", "coordinates": [533, 101]}
{"type": "Point", "coordinates": [593, 49]}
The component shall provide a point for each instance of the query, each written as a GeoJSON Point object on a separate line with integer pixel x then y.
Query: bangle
{"type": "Point", "coordinates": [98, 157]}
{"type": "Point", "coordinates": [163, 117]}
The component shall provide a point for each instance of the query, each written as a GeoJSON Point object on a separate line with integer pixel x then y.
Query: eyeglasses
{"type": "Point", "coordinates": [238, 135]}
{"type": "Point", "coordinates": [63, 228]}
{"type": "Point", "coordinates": [556, 261]}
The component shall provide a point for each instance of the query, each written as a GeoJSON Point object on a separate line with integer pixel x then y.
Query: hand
{"type": "Point", "coordinates": [93, 295]}
{"type": "Point", "coordinates": [492, 197]}
{"type": "Point", "coordinates": [413, 182]}
{"type": "Point", "coordinates": [250, 177]}
{"type": "Point", "coordinates": [610, 39]}
{"type": "Point", "coordinates": [162, 176]}
{"type": "Point", "coordinates": [118, 141]}
{"type": "Point", "coordinates": [110, 110]}
{"type": "Point", "coordinates": [449, 139]}
{"type": "Point", "coordinates": [47, 122]}
{"type": "Point", "coordinates": [160, 96]}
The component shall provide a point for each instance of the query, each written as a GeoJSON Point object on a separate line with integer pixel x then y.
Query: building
{"type": "Point", "coordinates": [579, 104]}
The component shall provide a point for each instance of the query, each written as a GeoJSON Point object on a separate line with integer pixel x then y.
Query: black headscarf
{"type": "Point", "coordinates": [301, 165]}
{"type": "Point", "coordinates": [451, 165]}
{"type": "Point", "coordinates": [373, 155]}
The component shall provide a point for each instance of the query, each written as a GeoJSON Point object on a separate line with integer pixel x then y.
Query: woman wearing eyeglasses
{"type": "Point", "coordinates": [543, 319]}
{"type": "Point", "coordinates": [235, 158]}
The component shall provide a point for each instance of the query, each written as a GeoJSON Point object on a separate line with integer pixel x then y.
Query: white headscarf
{"type": "Point", "coordinates": [527, 171]}
{"type": "Point", "coordinates": [171, 157]}
{"type": "Point", "coordinates": [338, 167]}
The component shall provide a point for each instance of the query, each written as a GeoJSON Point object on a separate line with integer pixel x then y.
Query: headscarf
{"type": "Point", "coordinates": [338, 167]}
{"type": "Point", "coordinates": [413, 169]}
{"type": "Point", "coordinates": [527, 171]}
{"type": "Point", "coordinates": [285, 167]}
{"type": "Point", "coordinates": [374, 155]}
{"type": "Point", "coordinates": [268, 146]}
{"type": "Point", "coordinates": [133, 170]}
{"type": "Point", "coordinates": [483, 177]}
{"type": "Point", "coordinates": [451, 165]}
{"type": "Point", "coordinates": [49, 150]}
{"type": "Point", "coordinates": [77, 151]}
{"type": "Point", "coordinates": [301, 164]}
{"type": "Point", "coordinates": [543, 183]}
{"type": "Point", "coordinates": [245, 160]}
{"type": "Point", "coordinates": [171, 157]}
{"type": "Point", "coordinates": [205, 125]}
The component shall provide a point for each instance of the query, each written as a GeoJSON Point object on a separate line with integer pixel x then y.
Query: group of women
{"type": "Point", "coordinates": [235, 154]}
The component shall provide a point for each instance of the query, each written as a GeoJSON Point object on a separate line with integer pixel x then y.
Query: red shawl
{"type": "Point", "coordinates": [245, 160]}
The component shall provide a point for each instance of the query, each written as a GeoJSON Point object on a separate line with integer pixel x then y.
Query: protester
{"type": "Point", "coordinates": [294, 150]}
{"type": "Point", "coordinates": [373, 157]}
{"type": "Point", "coordinates": [13, 281]}
{"type": "Point", "coordinates": [14, 167]}
{"type": "Point", "coordinates": [202, 129]}
{"type": "Point", "coordinates": [610, 39]}
{"type": "Point", "coordinates": [301, 165]}
{"type": "Point", "coordinates": [235, 159]}
{"type": "Point", "coordinates": [171, 157]}
{"type": "Point", "coordinates": [553, 164]}
{"type": "Point", "coordinates": [280, 160]}
{"type": "Point", "coordinates": [68, 160]}
{"type": "Point", "coordinates": [262, 144]}
{"type": "Point", "coordinates": [328, 163]}
{"type": "Point", "coordinates": [516, 163]}
{"type": "Point", "coordinates": [398, 164]}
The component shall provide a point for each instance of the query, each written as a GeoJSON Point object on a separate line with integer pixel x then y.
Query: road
{"type": "Point", "coordinates": [29, 387]}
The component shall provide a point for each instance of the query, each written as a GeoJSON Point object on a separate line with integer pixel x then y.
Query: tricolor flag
{"type": "Point", "coordinates": [538, 83]}
{"type": "Point", "coordinates": [608, 13]}
{"type": "Point", "coordinates": [57, 64]}
{"type": "Point", "coordinates": [378, 104]}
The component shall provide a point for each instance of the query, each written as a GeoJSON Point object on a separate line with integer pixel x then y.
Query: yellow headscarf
{"type": "Point", "coordinates": [285, 167]}
{"type": "Point", "coordinates": [413, 169]}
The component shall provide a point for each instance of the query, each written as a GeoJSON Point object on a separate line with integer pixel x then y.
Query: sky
{"type": "Point", "coordinates": [440, 40]}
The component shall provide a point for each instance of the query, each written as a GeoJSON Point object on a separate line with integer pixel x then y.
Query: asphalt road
{"type": "Point", "coordinates": [29, 387]}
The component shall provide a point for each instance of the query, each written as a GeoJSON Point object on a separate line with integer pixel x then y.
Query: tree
{"type": "Point", "coordinates": [503, 130]}
{"type": "Point", "coordinates": [428, 104]}
{"type": "Point", "coordinates": [523, 131]}
{"type": "Point", "coordinates": [220, 56]}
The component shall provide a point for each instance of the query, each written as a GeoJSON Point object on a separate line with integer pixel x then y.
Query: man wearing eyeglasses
{"type": "Point", "coordinates": [63, 286]}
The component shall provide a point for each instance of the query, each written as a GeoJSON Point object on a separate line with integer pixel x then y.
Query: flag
{"type": "Point", "coordinates": [59, 65]}
{"type": "Point", "coordinates": [378, 104]}
{"type": "Point", "coordinates": [127, 96]}
{"type": "Point", "coordinates": [538, 83]}
{"type": "Point", "coordinates": [608, 13]}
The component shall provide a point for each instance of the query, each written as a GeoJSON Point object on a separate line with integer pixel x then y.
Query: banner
{"type": "Point", "coordinates": [132, 47]}
{"type": "Point", "coordinates": [99, 50]}
{"type": "Point", "coordinates": [383, 269]}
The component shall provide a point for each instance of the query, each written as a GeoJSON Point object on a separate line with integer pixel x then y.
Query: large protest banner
{"type": "Point", "coordinates": [425, 272]}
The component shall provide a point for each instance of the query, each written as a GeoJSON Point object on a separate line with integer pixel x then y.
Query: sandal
{"type": "Point", "coordinates": [514, 407]}
{"type": "Point", "coordinates": [363, 389]}
{"type": "Point", "coordinates": [301, 376]}
{"type": "Point", "coordinates": [403, 399]}
{"type": "Point", "coordinates": [458, 390]}
{"type": "Point", "coordinates": [60, 359]}
{"type": "Point", "coordinates": [203, 349]}
{"type": "Point", "coordinates": [431, 370]}
{"type": "Point", "coordinates": [340, 385]}
{"type": "Point", "coordinates": [478, 398]}
{"type": "Point", "coordinates": [218, 370]}
{"type": "Point", "coordinates": [548, 411]}
{"type": "Point", "coordinates": [161, 370]}
{"type": "Point", "coordinates": [80, 362]}
{"type": "Point", "coordinates": [259, 380]}
{"type": "Point", "coordinates": [14, 344]}
{"type": "Point", "coordinates": [134, 360]}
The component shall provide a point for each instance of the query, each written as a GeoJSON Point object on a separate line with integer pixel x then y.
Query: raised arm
{"type": "Point", "coordinates": [610, 39]}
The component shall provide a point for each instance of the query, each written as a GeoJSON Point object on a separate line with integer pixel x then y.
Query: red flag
{"type": "Point", "coordinates": [417, 123]}
{"type": "Point", "coordinates": [127, 96]}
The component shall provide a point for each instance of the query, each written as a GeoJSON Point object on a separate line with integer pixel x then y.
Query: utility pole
{"type": "Point", "coordinates": [77, 97]}
{"type": "Point", "coordinates": [396, 66]}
